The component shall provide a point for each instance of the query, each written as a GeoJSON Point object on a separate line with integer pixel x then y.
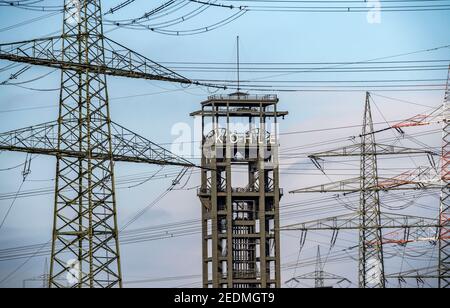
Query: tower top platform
{"type": "Point", "coordinates": [239, 99]}
{"type": "Point", "coordinates": [240, 105]}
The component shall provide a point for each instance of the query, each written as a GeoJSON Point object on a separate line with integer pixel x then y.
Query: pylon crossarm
{"type": "Point", "coordinates": [417, 234]}
{"type": "Point", "coordinates": [353, 222]}
{"type": "Point", "coordinates": [312, 276]}
{"type": "Point", "coordinates": [308, 276]}
{"type": "Point", "coordinates": [354, 185]}
{"type": "Point", "coordinates": [421, 273]}
{"type": "Point", "coordinates": [135, 65]}
{"type": "Point", "coordinates": [349, 185]}
{"type": "Point", "coordinates": [381, 149]}
{"type": "Point", "coordinates": [127, 146]}
{"type": "Point", "coordinates": [118, 60]}
{"type": "Point", "coordinates": [348, 221]}
{"type": "Point", "coordinates": [415, 121]}
{"type": "Point", "coordinates": [32, 139]}
{"type": "Point", "coordinates": [324, 276]}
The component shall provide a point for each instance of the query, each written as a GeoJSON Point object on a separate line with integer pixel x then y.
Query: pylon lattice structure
{"type": "Point", "coordinates": [371, 265]}
{"type": "Point", "coordinates": [444, 243]}
{"type": "Point", "coordinates": [86, 142]}
{"type": "Point", "coordinates": [369, 220]}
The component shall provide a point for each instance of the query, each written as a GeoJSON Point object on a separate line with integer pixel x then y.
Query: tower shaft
{"type": "Point", "coordinates": [240, 192]}
{"type": "Point", "coordinates": [85, 223]}
{"type": "Point", "coordinates": [371, 263]}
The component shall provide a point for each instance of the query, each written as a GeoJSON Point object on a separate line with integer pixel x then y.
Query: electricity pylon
{"type": "Point", "coordinates": [443, 274]}
{"type": "Point", "coordinates": [86, 143]}
{"type": "Point", "coordinates": [319, 275]}
{"type": "Point", "coordinates": [444, 215]}
{"type": "Point", "coordinates": [369, 184]}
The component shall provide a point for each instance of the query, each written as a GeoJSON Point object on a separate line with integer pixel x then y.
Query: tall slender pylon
{"type": "Point", "coordinates": [85, 203]}
{"type": "Point", "coordinates": [371, 263]}
{"type": "Point", "coordinates": [444, 242]}
{"type": "Point", "coordinates": [86, 143]}
{"type": "Point", "coordinates": [368, 185]}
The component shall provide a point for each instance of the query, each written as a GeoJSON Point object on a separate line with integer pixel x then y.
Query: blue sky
{"type": "Point", "coordinates": [265, 37]}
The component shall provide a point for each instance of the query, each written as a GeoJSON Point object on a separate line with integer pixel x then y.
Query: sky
{"type": "Point", "coordinates": [153, 109]}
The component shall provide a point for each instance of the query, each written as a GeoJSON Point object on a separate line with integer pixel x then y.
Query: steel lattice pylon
{"type": "Point", "coordinates": [371, 263]}
{"type": "Point", "coordinates": [85, 220]}
{"type": "Point", "coordinates": [85, 245]}
{"type": "Point", "coordinates": [319, 275]}
{"type": "Point", "coordinates": [444, 242]}
{"type": "Point", "coordinates": [369, 220]}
